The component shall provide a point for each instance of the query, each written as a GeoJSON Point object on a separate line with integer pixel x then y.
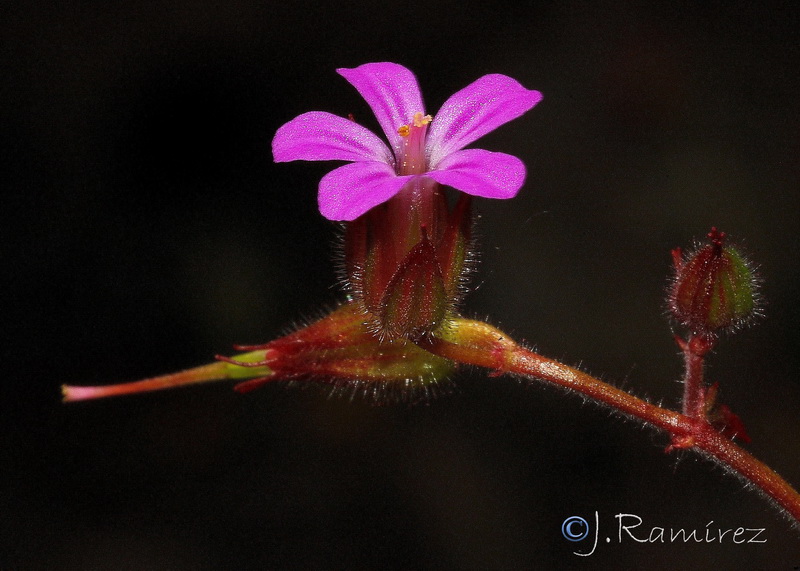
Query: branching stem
{"type": "Point", "coordinates": [477, 343]}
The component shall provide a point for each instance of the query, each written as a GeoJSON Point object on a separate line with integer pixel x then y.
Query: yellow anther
{"type": "Point", "coordinates": [420, 120]}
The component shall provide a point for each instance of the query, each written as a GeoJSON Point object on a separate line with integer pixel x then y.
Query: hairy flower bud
{"type": "Point", "coordinates": [714, 288]}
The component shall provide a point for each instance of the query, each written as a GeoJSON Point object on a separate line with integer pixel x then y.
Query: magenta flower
{"type": "Point", "coordinates": [376, 172]}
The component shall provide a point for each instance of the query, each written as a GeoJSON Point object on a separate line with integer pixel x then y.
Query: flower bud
{"type": "Point", "coordinates": [714, 288]}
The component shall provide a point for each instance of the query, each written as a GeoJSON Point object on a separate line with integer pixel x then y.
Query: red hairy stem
{"type": "Point", "coordinates": [694, 355]}
{"type": "Point", "coordinates": [204, 374]}
{"type": "Point", "coordinates": [231, 369]}
{"type": "Point", "coordinates": [477, 343]}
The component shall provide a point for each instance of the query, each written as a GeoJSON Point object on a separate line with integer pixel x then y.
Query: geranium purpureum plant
{"type": "Point", "coordinates": [408, 247]}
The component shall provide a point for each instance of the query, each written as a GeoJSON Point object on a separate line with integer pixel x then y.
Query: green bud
{"type": "Point", "coordinates": [715, 288]}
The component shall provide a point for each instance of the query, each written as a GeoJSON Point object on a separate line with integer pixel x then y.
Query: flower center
{"type": "Point", "coordinates": [411, 159]}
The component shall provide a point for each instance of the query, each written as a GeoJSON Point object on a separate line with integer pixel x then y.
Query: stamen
{"type": "Point", "coordinates": [420, 121]}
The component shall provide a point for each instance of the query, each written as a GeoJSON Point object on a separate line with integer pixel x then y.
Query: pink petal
{"type": "Point", "coordinates": [349, 191]}
{"type": "Point", "coordinates": [320, 136]}
{"type": "Point", "coordinates": [477, 109]}
{"type": "Point", "coordinates": [481, 173]}
{"type": "Point", "coordinates": [391, 91]}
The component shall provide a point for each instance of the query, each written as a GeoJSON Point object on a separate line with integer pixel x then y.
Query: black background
{"type": "Point", "coordinates": [145, 228]}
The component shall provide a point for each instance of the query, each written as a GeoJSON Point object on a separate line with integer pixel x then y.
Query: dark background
{"type": "Point", "coordinates": [145, 228]}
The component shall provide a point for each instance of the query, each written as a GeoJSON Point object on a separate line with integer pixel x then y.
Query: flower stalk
{"type": "Point", "coordinates": [219, 371]}
{"type": "Point", "coordinates": [471, 342]}
{"type": "Point", "coordinates": [477, 343]}
{"type": "Point", "coordinates": [694, 357]}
